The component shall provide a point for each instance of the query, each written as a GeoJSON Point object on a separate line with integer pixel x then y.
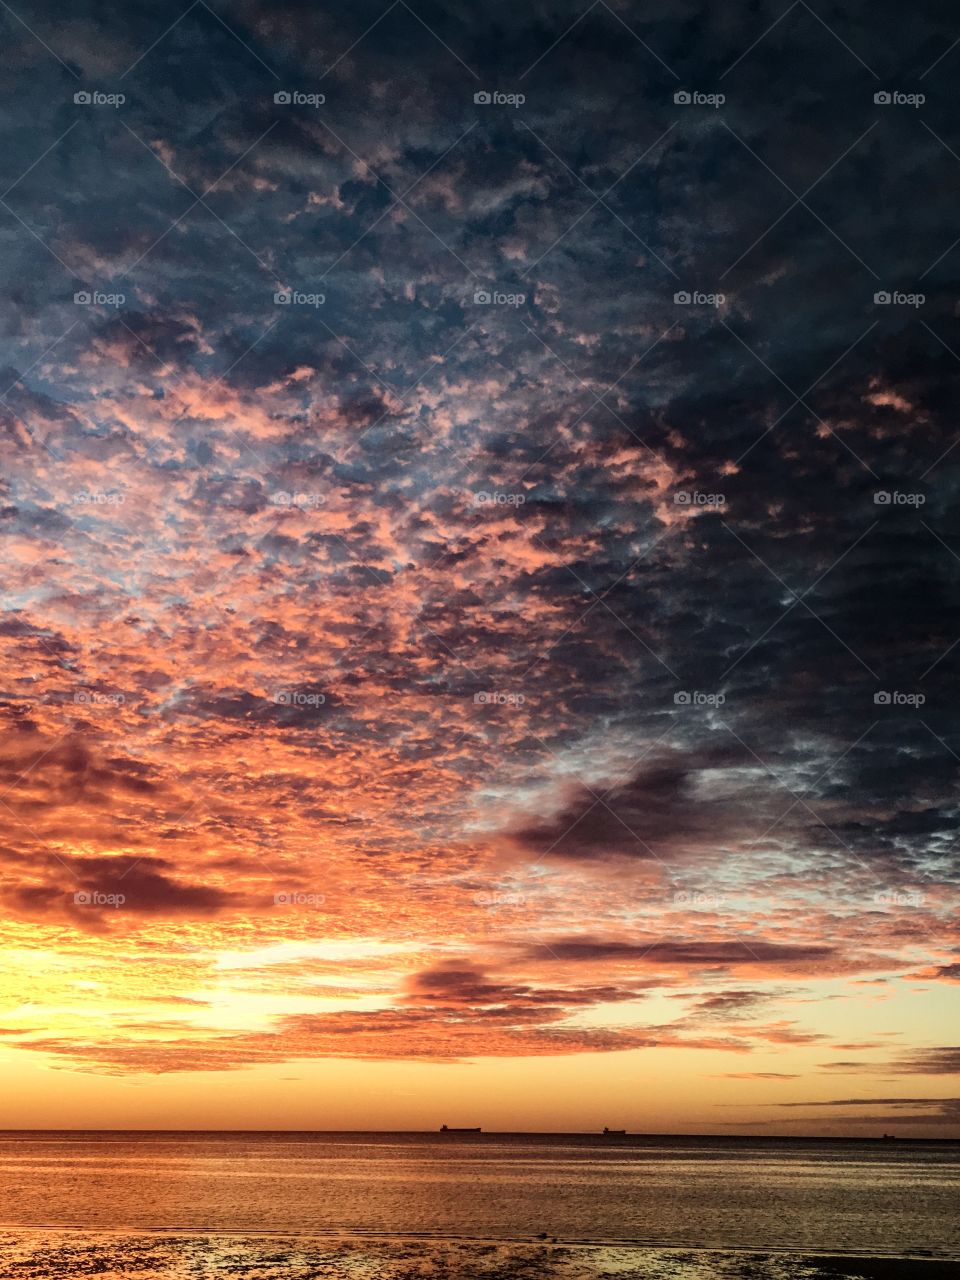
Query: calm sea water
{"type": "Point", "coordinates": [844, 1197]}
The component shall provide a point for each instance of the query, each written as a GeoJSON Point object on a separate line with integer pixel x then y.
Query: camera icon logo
{"type": "Point", "coordinates": [482, 98]}
{"type": "Point", "coordinates": [682, 698]}
{"type": "Point", "coordinates": [83, 298]}
{"type": "Point", "coordinates": [82, 899]}
{"type": "Point", "coordinates": [882, 298]}
{"type": "Point", "coordinates": [682, 298]}
{"type": "Point", "coordinates": [82, 98]}
{"type": "Point", "coordinates": [681, 498]}
{"type": "Point", "coordinates": [882, 699]}
{"type": "Point", "coordinates": [882, 98]}
{"type": "Point", "coordinates": [682, 98]}
{"type": "Point", "coordinates": [282, 97]}
{"type": "Point", "coordinates": [882, 498]}
{"type": "Point", "coordinates": [481, 298]}
{"type": "Point", "coordinates": [282, 298]}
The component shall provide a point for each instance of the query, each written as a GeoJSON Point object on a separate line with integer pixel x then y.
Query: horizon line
{"type": "Point", "coordinates": [544, 1133]}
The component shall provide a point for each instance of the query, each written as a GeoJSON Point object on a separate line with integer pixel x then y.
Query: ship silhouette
{"type": "Point", "coordinates": [610, 1131]}
{"type": "Point", "coordinates": [445, 1128]}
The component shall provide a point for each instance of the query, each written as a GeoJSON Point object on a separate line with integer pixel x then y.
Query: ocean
{"type": "Point", "coordinates": [373, 1204]}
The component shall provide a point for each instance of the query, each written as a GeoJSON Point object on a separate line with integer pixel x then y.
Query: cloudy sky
{"type": "Point", "coordinates": [478, 513]}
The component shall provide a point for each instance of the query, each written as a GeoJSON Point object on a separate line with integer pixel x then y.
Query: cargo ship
{"type": "Point", "coordinates": [444, 1128]}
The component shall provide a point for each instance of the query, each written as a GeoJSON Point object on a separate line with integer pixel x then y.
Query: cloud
{"type": "Point", "coordinates": [545, 636]}
{"type": "Point", "coordinates": [759, 1075]}
{"type": "Point", "coordinates": [941, 1060]}
{"type": "Point", "coordinates": [690, 955]}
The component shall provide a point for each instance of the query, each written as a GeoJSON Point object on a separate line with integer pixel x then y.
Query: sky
{"type": "Point", "coordinates": [480, 626]}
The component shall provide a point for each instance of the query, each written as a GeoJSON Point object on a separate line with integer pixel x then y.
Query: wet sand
{"type": "Point", "coordinates": [64, 1255]}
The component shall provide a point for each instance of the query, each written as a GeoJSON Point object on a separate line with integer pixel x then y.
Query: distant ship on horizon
{"type": "Point", "coordinates": [445, 1128]}
{"type": "Point", "coordinates": [610, 1131]}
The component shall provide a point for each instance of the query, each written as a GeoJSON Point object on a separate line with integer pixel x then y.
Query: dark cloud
{"type": "Point", "coordinates": [949, 1103]}
{"type": "Point", "coordinates": [694, 955]}
{"type": "Point", "coordinates": [735, 1004]}
{"type": "Point", "coordinates": [106, 891]}
{"type": "Point", "coordinates": [471, 987]}
{"type": "Point", "coordinates": [941, 1061]}
{"type": "Point", "coordinates": [651, 814]}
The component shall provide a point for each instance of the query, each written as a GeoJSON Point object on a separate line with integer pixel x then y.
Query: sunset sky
{"type": "Point", "coordinates": [535, 712]}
